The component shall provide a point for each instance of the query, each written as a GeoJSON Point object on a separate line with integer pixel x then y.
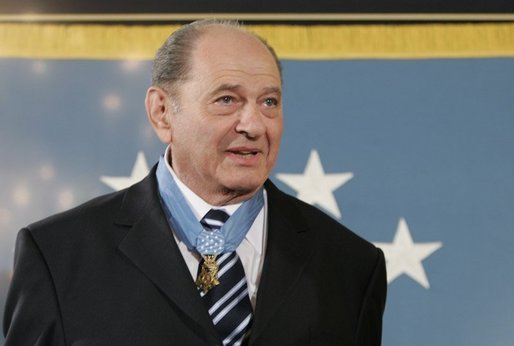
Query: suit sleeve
{"type": "Point", "coordinates": [369, 330]}
{"type": "Point", "coordinates": [32, 314]}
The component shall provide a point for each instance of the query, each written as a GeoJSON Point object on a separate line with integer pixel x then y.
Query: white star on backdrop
{"type": "Point", "coordinates": [315, 186]}
{"type": "Point", "coordinates": [139, 171]}
{"type": "Point", "coordinates": [403, 256]}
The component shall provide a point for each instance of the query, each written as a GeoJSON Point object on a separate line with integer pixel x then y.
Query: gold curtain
{"type": "Point", "coordinates": [72, 41]}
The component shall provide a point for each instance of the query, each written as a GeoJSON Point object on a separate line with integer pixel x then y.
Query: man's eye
{"type": "Point", "coordinates": [270, 102]}
{"type": "Point", "coordinates": [226, 99]}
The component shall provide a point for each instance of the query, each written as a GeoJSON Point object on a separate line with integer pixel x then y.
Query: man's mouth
{"type": "Point", "coordinates": [248, 152]}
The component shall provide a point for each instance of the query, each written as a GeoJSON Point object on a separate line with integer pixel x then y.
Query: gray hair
{"type": "Point", "coordinates": [172, 62]}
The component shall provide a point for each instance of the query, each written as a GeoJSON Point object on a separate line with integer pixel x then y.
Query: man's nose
{"type": "Point", "coordinates": [251, 121]}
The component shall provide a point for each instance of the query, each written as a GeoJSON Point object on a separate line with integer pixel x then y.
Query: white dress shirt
{"type": "Point", "coordinates": [250, 251]}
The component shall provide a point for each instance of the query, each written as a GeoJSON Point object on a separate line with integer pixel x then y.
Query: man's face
{"type": "Point", "coordinates": [225, 134]}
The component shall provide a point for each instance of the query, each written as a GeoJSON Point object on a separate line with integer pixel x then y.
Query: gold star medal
{"type": "Point", "coordinates": [208, 276]}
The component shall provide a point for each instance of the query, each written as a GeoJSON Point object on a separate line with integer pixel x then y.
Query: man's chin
{"type": "Point", "coordinates": [242, 190]}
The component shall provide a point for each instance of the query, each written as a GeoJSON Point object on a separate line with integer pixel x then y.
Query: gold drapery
{"type": "Point", "coordinates": [401, 41]}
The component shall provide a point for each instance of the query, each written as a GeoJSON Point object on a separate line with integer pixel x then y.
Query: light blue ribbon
{"type": "Point", "coordinates": [189, 230]}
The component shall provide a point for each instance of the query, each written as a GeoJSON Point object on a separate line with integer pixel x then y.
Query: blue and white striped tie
{"type": "Point", "coordinates": [228, 303]}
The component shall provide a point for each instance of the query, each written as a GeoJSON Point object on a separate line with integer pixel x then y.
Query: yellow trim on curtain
{"type": "Point", "coordinates": [72, 41]}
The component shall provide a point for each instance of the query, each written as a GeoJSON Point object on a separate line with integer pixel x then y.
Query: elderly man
{"type": "Point", "coordinates": [205, 250]}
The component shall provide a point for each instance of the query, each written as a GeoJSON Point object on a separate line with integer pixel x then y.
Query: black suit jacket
{"type": "Point", "coordinates": [110, 273]}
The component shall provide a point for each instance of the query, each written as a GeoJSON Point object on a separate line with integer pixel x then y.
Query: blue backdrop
{"type": "Point", "coordinates": [416, 156]}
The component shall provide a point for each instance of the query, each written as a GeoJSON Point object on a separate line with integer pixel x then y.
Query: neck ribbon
{"type": "Point", "coordinates": [190, 231]}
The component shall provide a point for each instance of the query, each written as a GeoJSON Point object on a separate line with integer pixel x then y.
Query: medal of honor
{"type": "Point", "coordinates": [208, 277]}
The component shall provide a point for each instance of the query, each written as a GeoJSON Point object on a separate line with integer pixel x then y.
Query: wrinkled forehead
{"type": "Point", "coordinates": [230, 48]}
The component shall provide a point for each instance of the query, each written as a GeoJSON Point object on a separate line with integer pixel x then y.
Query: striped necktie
{"type": "Point", "coordinates": [228, 303]}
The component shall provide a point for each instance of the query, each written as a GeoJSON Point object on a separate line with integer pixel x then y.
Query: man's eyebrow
{"type": "Point", "coordinates": [234, 87]}
{"type": "Point", "coordinates": [273, 90]}
{"type": "Point", "coordinates": [224, 87]}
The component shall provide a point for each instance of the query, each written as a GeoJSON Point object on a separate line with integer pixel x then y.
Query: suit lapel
{"type": "Point", "coordinates": [149, 244]}
{"type": "Point", "coordinates": [287, 253]}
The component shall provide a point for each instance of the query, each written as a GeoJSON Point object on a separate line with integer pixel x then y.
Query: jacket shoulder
{"type": "Point", "coordinates": [328, 231]}
{"type": "Point", "coordinates": [101, 211]}
{"type": "Point", "coordinates": [97, 208]}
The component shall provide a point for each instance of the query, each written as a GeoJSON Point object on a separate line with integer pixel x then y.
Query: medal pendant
{"type": "Point", "coordinates": [208, 276]}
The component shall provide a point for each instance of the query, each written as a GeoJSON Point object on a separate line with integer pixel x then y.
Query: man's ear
{"type": "Point", "coordinates": [158, 109]}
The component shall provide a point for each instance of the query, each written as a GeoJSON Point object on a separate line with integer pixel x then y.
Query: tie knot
{"type": "Point", "coordinates": [214, 219]}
